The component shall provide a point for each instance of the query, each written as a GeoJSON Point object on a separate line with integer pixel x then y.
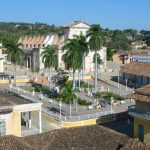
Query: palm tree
{"type": "Point", "coordinates": [99, 60]}
{"type": "Point", "coordinates": [14, 55]}
{"type": "Point", "coordinates": [49, 58]}
{"type": "Point", "coordinates": [95, 44]}
{"type": "Point", "coordinates": [73, 55]}
{"type": "Point", "coordinates": [83, 50]}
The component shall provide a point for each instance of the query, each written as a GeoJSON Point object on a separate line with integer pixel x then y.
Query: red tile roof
{"type": "Point", "coordinates": [141, 94]}
{"type": "Point", "coordinates": [137, 68]}
{"type": "Point", "coordinates": [78, 138]}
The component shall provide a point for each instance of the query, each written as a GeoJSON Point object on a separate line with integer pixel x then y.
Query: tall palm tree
{"type": "Point", "coordinates": [83, 50]}
{"type": "Point", "coordinates": [14, 55]}
{"type": "Point", "coordinates": [49, 58]}
{"type": "Point", "coordinates": [95, 44]}
{"type": "Point", "coordinates": [73, 55]}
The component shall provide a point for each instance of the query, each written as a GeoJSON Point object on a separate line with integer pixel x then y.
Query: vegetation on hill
{"type": "Point", "coordinates": [115, 40]}
{"type": "Point", "coordinates": [9, 31]}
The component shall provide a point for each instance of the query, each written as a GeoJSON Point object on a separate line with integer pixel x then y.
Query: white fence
{"type": "Point", "coordinates": [75, 118]}
{"type": "Point", "coordinates": [58, 116]}
{"type": "Point", "coordinates": [32, 95]}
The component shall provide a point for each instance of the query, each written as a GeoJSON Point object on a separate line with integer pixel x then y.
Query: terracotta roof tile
{"type": "Point", "coordinates": [78, 138]}
{"type": "Point", "coordinates": [137, 68]}
{"type": "Point", "coordinates": [141, 94]}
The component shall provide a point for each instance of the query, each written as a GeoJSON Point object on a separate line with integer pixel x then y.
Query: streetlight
{"type": "Point", "coordinates": [88, 87]}
{"type": "Point", "coordinates": [111, 104]}
{"type": "Point", "coordinates": [76, 105]}
{"type": "Point", "coordinates": [60, 105]}
{"type": "Point", "coordinates": [33, 92]}
{"type": "Point", "coordinates": [70, 109]}
{"type": "Point", "coordinates": [126, 84]}
{"type": "Point", "coordinates": [108, 89]}
{"type": "Point", "coordinates": [118, 82]}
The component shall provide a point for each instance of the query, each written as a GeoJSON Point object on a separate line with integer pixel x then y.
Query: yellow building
{"type": "Point", "coordinates": [141, 113]}
{"type": "Point", "coordinates": [122, 58]}
{"type": "Point", "coordinates": [16, 115]}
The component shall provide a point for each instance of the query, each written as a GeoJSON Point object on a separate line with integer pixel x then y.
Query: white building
{"type": "Point", "coordinates": [3, 57]}
{"type": "Point", "coordinates": [33, 46]}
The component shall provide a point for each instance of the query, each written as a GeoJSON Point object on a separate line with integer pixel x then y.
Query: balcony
{"type": "Point", "coordinates": [138, 113]}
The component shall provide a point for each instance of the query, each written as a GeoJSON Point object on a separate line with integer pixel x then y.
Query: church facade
{"type": "Point", "coordinates": [33, 47]}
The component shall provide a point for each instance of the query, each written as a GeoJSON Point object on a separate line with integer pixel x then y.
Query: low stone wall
{"type": "Point", "coordinates": [17, 81]}
{"type": "Point", "coordinates": [79, 123]}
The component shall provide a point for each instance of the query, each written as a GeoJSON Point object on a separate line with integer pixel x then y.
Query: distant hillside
{"type": "Point", "coordinates": [11, 29]}
{"type": "Point", "coordinates": [114, 40]}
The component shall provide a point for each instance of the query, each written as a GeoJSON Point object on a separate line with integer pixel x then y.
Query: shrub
{"type": "Point", "coordinates": [108, 95]}
{"type": "Point", "coordinates": [83, 102]}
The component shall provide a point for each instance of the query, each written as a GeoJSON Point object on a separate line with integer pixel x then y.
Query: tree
{"type": "Point", "coordinates": [14, 54]}
{"type": "Point", "coordinates": [99, 61]}
{"type": "Point", "coordinates": [119, 41]}
{"type": "Point", "coordinates": [49, 58]}
{"type": "Point", "coordinates": [109, 53]}
{"type": "Point", "coordinates": [95, 44]}
{"type": "Point", "coordinates": [73, 55]}
{"type": "Point", "coordinates": [83, 50]}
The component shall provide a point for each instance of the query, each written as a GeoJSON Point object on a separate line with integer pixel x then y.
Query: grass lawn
{"type": "Point", "coordinates": [27, 88]}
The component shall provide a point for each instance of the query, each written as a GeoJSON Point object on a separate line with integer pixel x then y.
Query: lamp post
{"type": "Point", "coordinates": [111, 104]}
{"type": "Point", "coordinates": [118, 82]}
{"type": "Point", "coordinates": [33, 92]}
{"type": "Point", "coordinates": [88, 87]}
{"type": "Point", "coordinates": [126, 84]}
{"type": "Point", "coordinates": [70, 109]}
{"type": "Point", "coordinates": [76, 105]}
{"type": "Point", "coordinates": [108, 89]}
{"type": "Point", "coordinates": [60, 105]}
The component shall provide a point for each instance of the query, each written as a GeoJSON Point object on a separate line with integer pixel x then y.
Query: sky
{"type": "Point", "coordinates": [113, 14]}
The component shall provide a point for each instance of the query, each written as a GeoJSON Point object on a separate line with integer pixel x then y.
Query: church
{"type": "Point", "coordinates": [34, 45]}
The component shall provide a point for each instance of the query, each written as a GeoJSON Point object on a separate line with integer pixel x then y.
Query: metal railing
{"type": "Point", "coordinates": [75, 118]}
{"type": "Point", "coordinates": [19, 90]}
{"type": "Point", "coordinates": [133, 111]}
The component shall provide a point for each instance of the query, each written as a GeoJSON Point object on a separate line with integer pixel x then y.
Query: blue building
{"type": "Point", "coordinates": [140, 58]}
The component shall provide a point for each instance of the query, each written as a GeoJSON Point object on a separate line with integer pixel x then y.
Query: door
{"type": "Point", "coordinates": [141, 133]}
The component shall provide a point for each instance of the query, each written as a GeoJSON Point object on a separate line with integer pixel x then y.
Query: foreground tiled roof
{"type": "Point", "coordinates": [137, 68]}
{"type": "Point", "coordinates": [141, 94]}
{"type": "Point", "coordinates": [14, 143]}
{"type": "Point", "coordinates": [78, 138]}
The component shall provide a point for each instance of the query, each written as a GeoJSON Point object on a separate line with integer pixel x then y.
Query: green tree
{"type": "Point", "coordinates": [49, 58]}
{"type": "Point", "coordinates": [109, 53]}
{"type": "Point", "coordinates": [119, 41]}
{"type": "Point", "coordinates": [14, 54]}
{"type": "Point", "coordinates": [73, 55]}
{"type": "Point", "coordinates": [83, 50]}
{"type": "Point", "coordinates": [95, 44]}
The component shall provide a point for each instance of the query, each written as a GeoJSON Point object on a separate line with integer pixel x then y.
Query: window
{"type": "Point", "coordinates": [2, 128]}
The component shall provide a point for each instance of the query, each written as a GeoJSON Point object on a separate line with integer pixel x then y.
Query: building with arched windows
{"type": "Point", "coordinates": [34, 45]}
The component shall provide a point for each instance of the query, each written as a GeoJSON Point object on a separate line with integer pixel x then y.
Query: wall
{"type": "Point", "coordinates": [116, 58]}
{"type": "Point", "coordinates": [1, 61]}
{"type": "Point", "coordinates": [79, 123]}
{"type": "Point", "coordinates": [146, 125]}
{"type": "Point", "coordinates": [13, 123]}
{"type": "Point", "coordinates": [143, 106]}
